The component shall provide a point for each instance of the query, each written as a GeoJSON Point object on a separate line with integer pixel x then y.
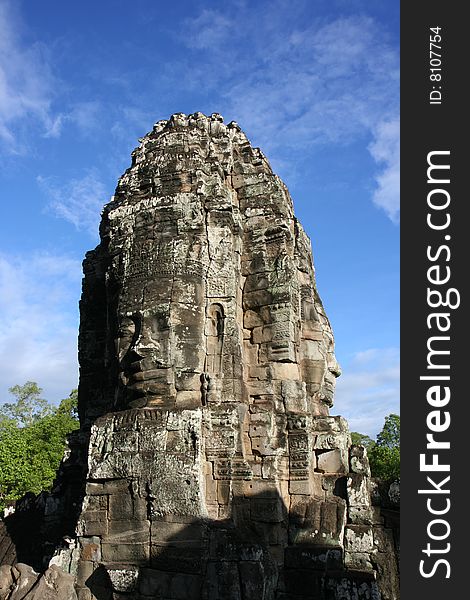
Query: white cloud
{"type": "Point", "coordinates": [369, 389]}
{"type": "Point", "coordinates": [78, 201]}
{"type": "Point", "coordinates": [207, 30]}
{"type": "Point", "coordinates": [385, 150]}
{"type": "Point", "coordinates": [26, 84]}
{"type": "Point", "coordinates": [333, 82]}
{"type": "Point", "coordinates": [39, 322]}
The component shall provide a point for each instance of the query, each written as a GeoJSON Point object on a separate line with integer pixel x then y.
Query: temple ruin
{"type": "Point", "coordinates": [207, 465]}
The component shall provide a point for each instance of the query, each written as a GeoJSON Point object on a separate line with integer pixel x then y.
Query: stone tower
{"type": "Point", "coordinates": [207, 371]}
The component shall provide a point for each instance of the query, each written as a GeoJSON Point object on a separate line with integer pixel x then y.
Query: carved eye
{"type": "Point", "coordinates": [126, 334]}
{"type": "Point", "coordinates": [127, 328]}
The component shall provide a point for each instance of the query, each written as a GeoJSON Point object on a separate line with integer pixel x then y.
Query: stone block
{"type": "Point", "coordinates": [259, 388]}
{"type": "Point", "coordinates": [210, 489]}
{"type": "Point", "coordinates": [131, 552]}
{"type": "Point", "coordinates": [250, 352]}
{"type": "Point", "coordinates": [322, 523]}
{"type": "Point", "coordinates": [154, 583]}
{"type": "Point", "coordinates": [260, 489]}
{"type": "Point", "coordinates": [176, 559]}
{"type": "Point", "coordinates": [188, 399]}
{"type": "Point", "coordinates": [270, 510]}
{"type": "Point", "coordinates": [91, 549]}
{"type": "Point", "coordinates": [187, 381]}
{"type": "Point", "coordinates": [260, 372]}
{"type": "Point", "coordinates": [252, 319]}
{"type": "Point", "coordinates": [53, 584]}
{"type": "Point", "coordinates": [302, 487]}
{"type": "Point", "coordinates": [359, 538]}
{"type": "Point", "coordinates": [311, 348]}
{"type": "Point", "coordinates": [84, 571]}
{"type": "Point", "coordinates": [116, 486]}
{"type": "Point", "coordinates": [275, 467]}
{"type": "Point", "coordinates": [358, 490]}
{"type": "Point", "coordinates": [127, 531]}
{"type": "Point", "coordinates": [254, 300]}
{"type": "Point", "coordinates": [285, 371]}
{"type": "Point", "coordinates": [361, 515]}
{"type": "Point", "coordinates": [222, 581]}
{"type": "Point", "coordinates": [6, 580]}
{"type": "Point", "coordinates": [178, 534]}
{"type": "Point", "coordinates": [127, 507]}
{"type": "Point", "coordinates": [358, 561]}
{"type": "Point", "coordinates": [256, 281]}
{"type": "Point", "coordinates": [261, 446]}
{"type": "Point", "coordinates": [223, 492]}
{"type": "Point", "coordinates": [84, 594]}
{"type": "Point", "coordinates": [259, 430]}
{"type": "Point", "coordinates": [331, 461]}
{"type": "Point", "coordinates": [313, 371]}
{"type": "Point", "coordinates": [184, 586]}
{"type": "Point", "coordinates": [97, 526]}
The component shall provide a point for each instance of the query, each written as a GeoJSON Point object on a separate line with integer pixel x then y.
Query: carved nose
{"type": "Point", "coordinates": [335, 369]}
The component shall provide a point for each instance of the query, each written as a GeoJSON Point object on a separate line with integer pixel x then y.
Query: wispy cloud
{"type": "Point", "coordinates": [26, 84]}
{"type": "Point", "coordinates": [38, 327]}
{"type": "Point", "coordinates": [385, 150]}
{"type": "Point", "coordinates": [368, 389]}
{"type": "Point", "coordinates": [208, 29]}
{"type": "Point", "coordinates": [333, 82]}
{"type": "Point", "coordinates": [78, 201]}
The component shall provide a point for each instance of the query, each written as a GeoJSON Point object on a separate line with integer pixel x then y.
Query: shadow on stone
{"type": "Point", "coordinates": [259, 552]}
{"type": "Point", "coordinates": [99, 584]}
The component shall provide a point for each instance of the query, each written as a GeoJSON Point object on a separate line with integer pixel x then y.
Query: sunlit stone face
{"type": "Point", "coordinates": [160, 343]}
{"type": "Point", "coordinates": [144, 356]}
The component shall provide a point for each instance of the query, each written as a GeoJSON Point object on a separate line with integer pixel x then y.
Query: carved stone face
{"type": "Point", "coordinates": [160, 343]}
{"type": "Point", "coordinates": [143, 348]}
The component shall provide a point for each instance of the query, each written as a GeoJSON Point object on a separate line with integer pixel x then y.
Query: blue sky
{"type": "Point", "coordinates": [314, 83]}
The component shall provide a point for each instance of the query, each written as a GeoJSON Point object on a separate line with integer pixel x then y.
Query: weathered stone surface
{"type": "Point", "coordinates": [207, 371]}
{"type": "Point", "coordinates": [21, 582]}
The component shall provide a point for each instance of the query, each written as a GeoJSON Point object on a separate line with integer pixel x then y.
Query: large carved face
{"type": "Point", "coordinates": [160, 343]}
{"type": "Point", "coordinates": [143, 348]}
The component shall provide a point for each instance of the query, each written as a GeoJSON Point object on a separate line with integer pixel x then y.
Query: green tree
{"type": "Point", "coordinates": [29, 406]}
{"type": "Point", "coordinates": [384, 455]}
{"type": "Point", "coordinates": [32, 441]}
{"type": "Point", "coordinates": [360, 439]}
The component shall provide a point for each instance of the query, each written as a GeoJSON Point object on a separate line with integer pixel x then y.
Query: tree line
{"type": "Point", "coordinates": [32, 441]}
{"type": "Point", "coordinates": [384, 452]}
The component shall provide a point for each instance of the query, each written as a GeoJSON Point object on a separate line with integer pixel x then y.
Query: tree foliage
{"type": "Point", "coordinates": [384, 453]}
{"type": "Point", "coordinates": [32, 440]}
{"type": "Point", "coordinates": [28, 408]}
{"type": "Point", "coordinates": [360, 439]}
